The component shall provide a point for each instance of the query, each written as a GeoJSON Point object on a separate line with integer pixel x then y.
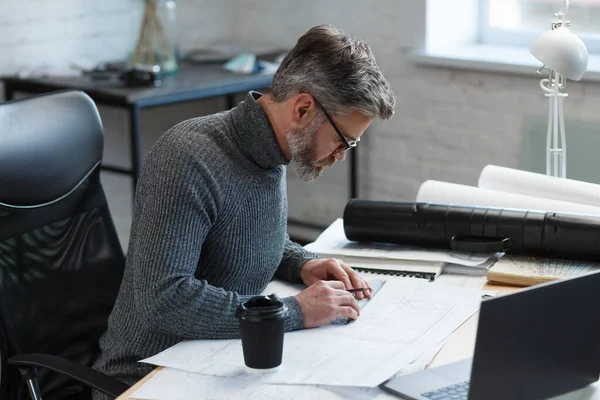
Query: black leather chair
{"type": "Point", "coordinates": [61, 263]}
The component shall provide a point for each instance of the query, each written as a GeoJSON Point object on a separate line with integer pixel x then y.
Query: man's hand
{"type": "Point", "coordinates": [333, 269]}
{"type": "Point", "coordinates": [325, 301]}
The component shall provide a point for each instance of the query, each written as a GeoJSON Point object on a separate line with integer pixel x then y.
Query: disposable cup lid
{"type": "Point", "coordinates": [260, 308]}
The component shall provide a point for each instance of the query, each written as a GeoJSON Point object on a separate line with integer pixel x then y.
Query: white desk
{"type": "Point", "coordinates": [459, 345]}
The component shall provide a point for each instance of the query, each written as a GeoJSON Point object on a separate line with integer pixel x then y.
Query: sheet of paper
{"type": "Point", "coordinates": [517, 181]}
{"type": "Point", "coordinates": [173, 384]}
{"type": "Point", "coordinates": [466, 281]}
{"type": "Point", "coordinates": [478, 270]}
{"type": "Point", "coordinates": [283, 288]}
{"type": "Point", "coordinates": [591, 392]}
{"type": "Point", "coordinates": [333, 242]}
{"type": "Point", "coordinates": [452, 193]}
{"type": "Point", "coordinates": [403, 321]}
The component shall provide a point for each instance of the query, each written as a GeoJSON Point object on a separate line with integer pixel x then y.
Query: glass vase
{"type": "Point", "coordinates": [157, 43]}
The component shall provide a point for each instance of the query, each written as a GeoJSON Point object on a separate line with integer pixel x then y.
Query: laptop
{"type": "Point", "coordinates": [540, 342]}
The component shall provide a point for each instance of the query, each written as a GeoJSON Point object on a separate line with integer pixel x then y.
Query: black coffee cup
{"type": "Point", "coordinates": [262, 323]}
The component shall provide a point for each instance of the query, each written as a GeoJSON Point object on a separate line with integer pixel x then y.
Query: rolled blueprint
{"type": "Point", "coordinates": [516, 181]}
{"type": "Point", "coordinates": [474, 229]}
{"type": "Point", "coordinates": [452, 193]}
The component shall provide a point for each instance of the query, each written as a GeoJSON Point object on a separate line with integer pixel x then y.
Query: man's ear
{"type": "Point", "coordinates": [303, 109]}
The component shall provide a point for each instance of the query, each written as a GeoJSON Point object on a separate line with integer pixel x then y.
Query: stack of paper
{"type": "Point", "coordinates": [380, 257]}
{"type": "Point", "coordinates": [478, 270]}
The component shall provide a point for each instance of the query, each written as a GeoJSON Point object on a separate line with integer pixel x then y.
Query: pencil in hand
{"type": "Point", "coordinates": [361, 293]}
{"type": "Point", "coordinates": [359, 290]}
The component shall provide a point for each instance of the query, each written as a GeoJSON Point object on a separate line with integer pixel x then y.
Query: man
{"type": "Point", "coordinates": [209, 225]}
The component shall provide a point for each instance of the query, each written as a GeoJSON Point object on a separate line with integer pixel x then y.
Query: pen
{"type": "Point", "coordinates": [359, 290]}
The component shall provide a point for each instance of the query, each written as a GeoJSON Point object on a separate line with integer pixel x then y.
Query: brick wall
{"type": "Point", "coordinates": [55, 33]}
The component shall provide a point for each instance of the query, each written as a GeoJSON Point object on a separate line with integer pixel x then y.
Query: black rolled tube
{"type": "Point", "coordinates": [471, 228]}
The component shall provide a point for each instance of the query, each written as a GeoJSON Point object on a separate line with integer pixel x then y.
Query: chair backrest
{"type": "Point", "coordinates": [61, 262]}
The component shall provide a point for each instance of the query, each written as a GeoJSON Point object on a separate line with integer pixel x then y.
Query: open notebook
{"type": "Point", "coordinates": [391, 259]}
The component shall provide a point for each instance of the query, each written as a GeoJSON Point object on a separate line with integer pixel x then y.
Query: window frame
{"type": "Point", "coordinates": [503, 37]}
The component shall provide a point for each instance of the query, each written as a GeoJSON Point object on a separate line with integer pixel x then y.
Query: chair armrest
{"type": "Point", "coordinates": [85, 375]}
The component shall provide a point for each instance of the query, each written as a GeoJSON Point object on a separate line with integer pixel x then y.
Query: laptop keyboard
{"type": "Point", "coordinates": [459, 391]}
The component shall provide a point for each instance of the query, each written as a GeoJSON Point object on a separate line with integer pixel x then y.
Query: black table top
{"type": "Point", "coordinates": [194, 81]}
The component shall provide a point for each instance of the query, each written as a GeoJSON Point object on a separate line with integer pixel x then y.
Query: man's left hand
{"type": "Point", "coordinates": [333, 269]}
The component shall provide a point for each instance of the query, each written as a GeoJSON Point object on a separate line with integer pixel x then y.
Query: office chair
{"type": "Point", "coordinates": [61, 262]}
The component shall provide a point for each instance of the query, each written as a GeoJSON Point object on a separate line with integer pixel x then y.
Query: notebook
{"type": "Point", "coordinates": [528, 271]}
{"type": "Point", "coordinates": [429, 270]}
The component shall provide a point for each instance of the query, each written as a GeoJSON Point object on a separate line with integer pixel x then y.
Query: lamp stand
{"type": "Point", "coordinates": [556, 145]}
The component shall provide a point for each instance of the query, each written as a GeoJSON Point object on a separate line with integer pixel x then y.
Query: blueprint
{"type": "Point", "coordinates": [403, 321]}
{"type": "Point", "coordinates": [172, 384]}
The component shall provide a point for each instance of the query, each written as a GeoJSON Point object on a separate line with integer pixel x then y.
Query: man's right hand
{"type": "Point", "coordinates": [324, 301]}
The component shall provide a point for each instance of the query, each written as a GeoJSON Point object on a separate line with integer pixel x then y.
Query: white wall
{"type": "Point", "coordinates": [56, 33]}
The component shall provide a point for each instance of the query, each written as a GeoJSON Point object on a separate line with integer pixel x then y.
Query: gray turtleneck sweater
{"type": "Point", "coordinates": [208, 232]}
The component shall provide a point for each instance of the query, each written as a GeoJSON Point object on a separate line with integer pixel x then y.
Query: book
{"type": "Point", "coordinates": [529, 271]}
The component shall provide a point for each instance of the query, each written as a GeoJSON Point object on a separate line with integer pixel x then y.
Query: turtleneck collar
{"type": "Point", "coordinates": [254, 133]}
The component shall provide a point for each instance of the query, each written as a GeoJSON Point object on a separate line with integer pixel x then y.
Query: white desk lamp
{"type": "Point", "coordinates": [566, 56]}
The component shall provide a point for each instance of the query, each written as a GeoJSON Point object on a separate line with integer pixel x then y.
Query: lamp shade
{"type": "Point", "coordinates": [562, 51]}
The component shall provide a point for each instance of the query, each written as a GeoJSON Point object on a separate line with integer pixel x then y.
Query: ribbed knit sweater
{"type": "Point", "coordinates": [208, 232]}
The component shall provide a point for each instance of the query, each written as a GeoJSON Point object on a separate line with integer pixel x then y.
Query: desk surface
{"type": "Point", "coordinates": [194, 81]}
{"type": "Point", "coordinates": [459, 345]}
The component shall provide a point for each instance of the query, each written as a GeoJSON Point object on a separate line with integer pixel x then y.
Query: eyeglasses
{"type": "Point", "coordinates": [348, 144]}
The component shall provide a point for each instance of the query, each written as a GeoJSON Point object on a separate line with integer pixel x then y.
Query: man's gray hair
{"type": "Point", "coordinates": [340, 72]}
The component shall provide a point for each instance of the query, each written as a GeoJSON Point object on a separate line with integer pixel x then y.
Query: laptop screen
{"type": "Point", "coordinates": [539, 342]}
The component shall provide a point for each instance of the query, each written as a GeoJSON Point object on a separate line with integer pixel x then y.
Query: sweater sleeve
{"type": "Point", "coordinates": [294, 257]}
{"type": "Point", "coordinates": [175, 209]}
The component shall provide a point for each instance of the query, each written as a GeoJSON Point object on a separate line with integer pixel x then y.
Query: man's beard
{"type": "Point", "coordinates": [303, 146]}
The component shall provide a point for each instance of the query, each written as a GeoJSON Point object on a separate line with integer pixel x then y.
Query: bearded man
{"type": "Point", "coordinates": [210, 215]}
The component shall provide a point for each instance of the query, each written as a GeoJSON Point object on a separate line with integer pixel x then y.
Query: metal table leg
{"type": "Point", "coordinates": [353, 173]}
{"type": "Point", "coordinates": [230, 99]}
{"type": "Point", "coordinates": [9, 93]}
{"type": "Point", "coordinates": [135, 144]}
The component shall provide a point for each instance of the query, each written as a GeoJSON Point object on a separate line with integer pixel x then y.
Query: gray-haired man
{"type": "Point", "coordinates": [209, 226]}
